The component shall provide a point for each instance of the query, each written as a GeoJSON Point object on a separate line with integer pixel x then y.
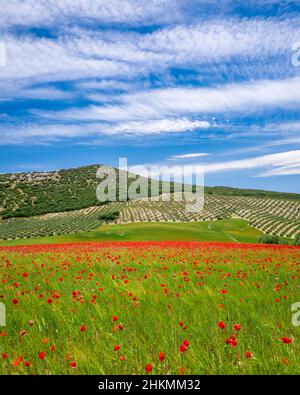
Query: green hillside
{"type": "Point", "coordinates": [37, 193]}
{"type": "Point", "coordinates": [35, 205]}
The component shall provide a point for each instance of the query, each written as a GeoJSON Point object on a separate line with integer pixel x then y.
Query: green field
{"type": "Point", "coordinates": [232, 230]}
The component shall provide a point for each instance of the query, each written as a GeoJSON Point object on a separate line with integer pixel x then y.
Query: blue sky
{"type": "Point", "coordinates": [158, 82]}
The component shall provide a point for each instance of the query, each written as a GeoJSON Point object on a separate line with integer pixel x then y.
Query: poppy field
{"type": "Point", "coordinates": [149, 307]}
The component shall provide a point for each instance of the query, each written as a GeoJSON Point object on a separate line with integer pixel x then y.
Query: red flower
{"type": "Point", "coordinates": [223, 291]}
{"type": "Point", "coordinates": [42, 355]}
{"type": "Point", "coordinates": [122, 358]}
{"type": "Point", "coordinates": [186, 342]}
{"type": "Point", "coordinates": [3, 334]}
{"type": "Point", "coordinates": [286, 340]}
{"type": "Point", "coordinates": [149, 368]}
{"type": "Point", "coordinates": [248, 354]}
{"type": "Point", "coordinates": [222, 325]}
{"type": "Point", "coordinates": [27, 364]}
{"type": "Point", "coordinates": [73, 364]}
{"type": "Point", "coordinates": [49, 301]}
{"type": "Point", "coordinates": [52, 348]}
{"type": "Point", "coordinates": [183, 348]}
{"type": "Point", "coordinates": [82, 328]}
{"type": "Point", "coordinates": [15, 301]}
{"type": "Point", "coordinates": [237, 327]}
{"type": "Point", "coordinates": [4, 355]}
{"type": "Point", "coordinates": [25, 274]}
{"type": "Point", "coordinates": [161, 356]}
{"type": "Point", "coordinates": [30, 322]}
{"type": "Point", "coordinates": [116, 347]}
{"type": "Point", "coordinates": [114, 318]}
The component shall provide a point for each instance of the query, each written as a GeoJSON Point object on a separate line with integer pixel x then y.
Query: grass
{"type": "Point", "coordinates": [230, 230]}
{"type": "Point", "coordinates": [115, 310]}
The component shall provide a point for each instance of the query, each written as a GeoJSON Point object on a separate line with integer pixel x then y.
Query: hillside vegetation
{"type": "Point", "coordinates": [37, 193]}
{"type": "Point", "coordinates": [64, 202]}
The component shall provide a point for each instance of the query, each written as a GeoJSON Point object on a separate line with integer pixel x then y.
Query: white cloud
{"type": "Point", "coordinates": [282, 163]}
{"type": "Point", "coordinates": [157, 126]}
{"type": "Point", "coordinates": [288, 158]}
{"type": "Point", "coordinates": [43, 133]}
{"type": "Point", "coordinates": [178, 102]}
{"type": "Point", "coordinates": [56, 12]}
{"type": "Point", "coordinates": [188, 156]}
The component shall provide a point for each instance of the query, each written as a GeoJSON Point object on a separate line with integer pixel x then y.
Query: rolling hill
{"type": "Point", "coordinates": [64, 202]}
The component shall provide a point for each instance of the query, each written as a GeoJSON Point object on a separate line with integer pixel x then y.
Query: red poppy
{"type": "Point", "coordinates": [237, 327]}
{"type": "Point", "coordinates": [161, 356]}
{"type": "Point", "coordinates": [248, 354]}
{"type": "Point", "coordinates": [4, 355]}
{"type": "Point", "coordinates": [122, 358]}
{"type": "Point", "coordinates": [222, 325]}
{"type": "Point", "coordinates": [42, 355]}
{"type": "Point", "coordinates": [186, 342]}
{"type": "Point", "coordinates": [82, 328]}
{"type": "Point", "coordinates": [183, 348]}
{"type": "Point", "coordinates": [223, 291]}
{"type": "Point", "coordinates": [52, 348]}
{"type": "Point", "coordinates": [73, 364]}
{"type": "Point", "coordinates": [116, 347]}
{"type": "Point", "coordinates": [286, 340]}
{"type": "Point", "coordinates": [15, 301]}
{"type": "Point", "coordinates": [27, 364]}
{"type": "Point", "coordinates": [114, 318]}
{"type": "Point", "coordinates": [149, 368]}
{"type": "Point", "coordinates": [49, 301]}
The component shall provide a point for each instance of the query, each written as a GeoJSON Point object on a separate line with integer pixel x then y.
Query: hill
{"type": "Point", "coordinates": [37, 193]}
{"type": "Point", "coordinates": [64, 202]}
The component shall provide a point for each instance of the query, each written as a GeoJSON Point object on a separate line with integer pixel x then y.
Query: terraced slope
{"type": "Point", "coordinates": [272, 216]}
{"type": "Point", "coordinates": [31, 194]}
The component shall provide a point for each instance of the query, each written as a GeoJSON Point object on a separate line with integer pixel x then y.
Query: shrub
{"type": "Point", "coordinates": [269, 239]}
{"type": "Point", "coordinates": [109, 216]}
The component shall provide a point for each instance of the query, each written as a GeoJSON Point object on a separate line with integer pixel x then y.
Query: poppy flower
{"type": "Point", "coordinates": [248, 354]}
{"type": "Point", "coordinates": [4, 355]}
{"type": "Point", "coordinates": [114, 318]}
{"type": "Point", "coordinates": [73, 364]}
{"type": "Point", "coordinates": [223, 291]}
{"type": "Point", "coordinates": [42, 355]}
{"type": "Point", "coordinates": [161, 356]}
{"type": "Point", "coordinates": [3, 334]}
{"type": "Point", "coordinates": [116, 347]}
{"type": "Point", "coordinates": [149, 368]}
{"type": "Point", "coordinates": [82, 328]}
{"type": "Point", "coordinates": [27, 364]}
{"type": "Point", "coordinates": [182, 348]}
{"type": "Point", "coordinates": [222, 325]}
{"type": "Point", "coordinates": [30, 322]}
{"type": "Point", "coordinates": [186, 342]}
{"type": "Point", "coordinates": [237, 327]}
{"type": "Point", "coordinates": [15, 301]}
{"type": "Point", "coordinates": [49, 301]}
{"type": "Point", "coordinates": [122, 358]}
{"type": "Point", "coordinates": [52, 348]}
{"type": "Point", "coordinates": [17, 361]}
{"type": "Point", "coordinates": [286, 340]}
